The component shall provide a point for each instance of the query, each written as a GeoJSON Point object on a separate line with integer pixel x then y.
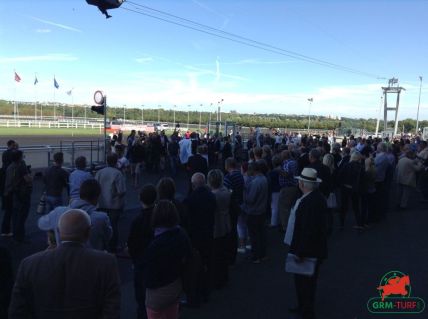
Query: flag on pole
{"type": "Point", "coordinates": [311, 99]}
{"type": "Point", "coordinates": [35, 80]}
{"type": "Point", "coordinates": [56, 85]}
{"type": "Point", "coordinates": [420, 78]}
{"type": "Point", "coordinates": [17, 77]}
{"type": "Point", "coordinates": [69, 92]}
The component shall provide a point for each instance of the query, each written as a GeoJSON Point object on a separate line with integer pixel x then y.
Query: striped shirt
{"type": "Point", "coordinates": [235, 182]}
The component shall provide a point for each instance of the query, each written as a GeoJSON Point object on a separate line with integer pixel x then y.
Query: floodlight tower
{"type": "Point", "coordinates": [392, 88]}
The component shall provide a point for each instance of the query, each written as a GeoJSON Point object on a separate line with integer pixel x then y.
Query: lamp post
{"type": "Point", "coordinates": [419, 103]}
{"type": "Point", "coordinates": [200, 116]}
{"type": "Point", "coordinates": [174, 115]}
{"type": "Point", "coordinates": [188, 116]}
{"type": "Point", "coordinates": [309, 115]}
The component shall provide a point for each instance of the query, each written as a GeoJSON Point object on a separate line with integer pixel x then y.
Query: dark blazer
{"type": "Point", "coordinates": [310, 227]}
{"type": "Point", "coordinates": [140, 234]}
{"type": "Point", "coordinates": [70, 281]}
{"type": "Point", "coordinates": [163, 261]}
{"type": "Point", "coordinates": [201, 205]}
{"type": "Point", "coordinates": [323, 172]}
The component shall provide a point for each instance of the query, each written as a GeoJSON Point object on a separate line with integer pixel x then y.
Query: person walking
{"type": "Point", "coordinates": [55, 179]}
{"type": "Point", "coordinates": [112, 198]}
{"type": "Point", "coordinates": [406, 170]}
{"type": "Point", "coordinates": [306, 237]}
{"type": "Point", "coordinates": [101, 230]}
{"type": "Point", "coordinates": [201, 206]}
{"type": "Point", "coordinates": [255, 206]}
{"type": "Point", "coordinates": [78, 176]}
{"type": "Point", "coordinates": [222, 228]}
{"type": "Point", "coordinates": [17, 197]}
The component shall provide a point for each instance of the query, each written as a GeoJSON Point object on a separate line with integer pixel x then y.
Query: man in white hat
{"type": "Point", "coordinates": [307, 237]}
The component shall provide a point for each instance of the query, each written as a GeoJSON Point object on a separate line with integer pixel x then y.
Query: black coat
{"type": "Point", "coordinates": [164, 260]}
{"type": "Point", "coordinates": [201, 206]}
{"type": "Point", "coordinates": [140, 234]}
{"type": "Point", "coordinates": [310, 227]}
{"type": "Point", "coordinates": [323, 172]}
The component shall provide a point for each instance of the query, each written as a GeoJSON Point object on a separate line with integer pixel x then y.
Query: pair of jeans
{"type": "Point", "coordinates": [114, 215]}
{"type": "Point", "coordinates": [53, 202]}
{"type": "Point", "coordinates": [257, 230]}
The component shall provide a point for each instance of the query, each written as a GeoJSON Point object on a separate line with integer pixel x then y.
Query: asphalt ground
{"type": "Point", "coordinates": [348, 278]}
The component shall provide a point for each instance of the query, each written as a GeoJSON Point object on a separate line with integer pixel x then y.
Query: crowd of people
{"type": "Point", "coordinates": [181, 250]}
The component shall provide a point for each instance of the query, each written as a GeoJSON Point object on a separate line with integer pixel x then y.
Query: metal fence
{"type": "Point", "coordinates": [41, 156]}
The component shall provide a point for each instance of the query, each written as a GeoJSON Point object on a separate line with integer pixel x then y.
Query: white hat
{"type": "Point", "coordinates": [309, 175]}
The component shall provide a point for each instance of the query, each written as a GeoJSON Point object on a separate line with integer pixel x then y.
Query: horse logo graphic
{"type": "Point", "coordinates": [396, 284]}
{"type": "Point", "coordinates": [395, 296]}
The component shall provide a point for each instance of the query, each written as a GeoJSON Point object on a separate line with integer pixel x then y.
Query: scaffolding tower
{"type": "Point", "coordinates": [392, 88]}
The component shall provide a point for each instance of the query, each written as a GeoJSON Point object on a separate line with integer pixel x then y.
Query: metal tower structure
{"type": "Point", "coordinates": [392, 88]}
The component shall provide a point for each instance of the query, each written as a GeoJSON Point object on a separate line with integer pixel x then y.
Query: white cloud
{"type": "Point", "coordinates": [43, 30]}
{"type": "Point", "coordinates": [58, 25]}
{"type": "Point", "coordinates": [144, 59]}
{"type": "Point", "coordinates": [33, 58]}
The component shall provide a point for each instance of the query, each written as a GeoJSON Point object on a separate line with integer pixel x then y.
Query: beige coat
{"type": "Point", "coordinates": [406, 171]}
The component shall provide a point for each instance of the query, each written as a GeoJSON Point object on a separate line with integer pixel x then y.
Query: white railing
{"type": "Point", "coordinates": [50, 124]}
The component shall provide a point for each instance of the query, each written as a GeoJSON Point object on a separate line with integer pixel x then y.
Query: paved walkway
{"type": "Point", "coordinates": [348, 278]}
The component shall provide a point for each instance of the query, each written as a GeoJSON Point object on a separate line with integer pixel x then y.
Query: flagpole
{"type": "Point", "coordinates": [54, 99]}
{"type": "Point", "coordinates": [14, 97]}
{"type": "Point", "coordinates": [419, 103]}
{"type": "Point", "coordinates": [35, 97]}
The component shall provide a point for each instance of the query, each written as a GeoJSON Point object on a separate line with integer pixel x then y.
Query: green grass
{"type": "Point", "coordinates": [25, 131]}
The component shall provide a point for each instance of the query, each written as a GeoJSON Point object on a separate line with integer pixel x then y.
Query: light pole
{"type": "Point", "coordinates": [188, 116]}
{"type": "Point", "coordinates": [159, 106]}
{"type": "Point", "coordinates": [309, 115]}
{"type": "Point", "coordinates": [419, 103]}
{"type": "Point", "coordinates": [142, 114]}
{"type": "Point", "coordinates": [174, 115]}
{"type": "Point", "coordinates": [200, 116]}
{"type": "Point", "coordinates": [378, 117]}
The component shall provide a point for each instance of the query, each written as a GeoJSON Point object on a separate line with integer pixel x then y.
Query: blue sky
{"type": "Point", "coordinates": [138, 60]}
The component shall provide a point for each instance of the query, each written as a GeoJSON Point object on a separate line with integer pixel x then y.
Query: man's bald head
{"type": "Point", "coordinates": [74, 225]}
{"type": "Point", "coordinates": [198, 180]}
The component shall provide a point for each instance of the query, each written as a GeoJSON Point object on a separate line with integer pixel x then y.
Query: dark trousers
{"type": "Point", "coordinates": [257, 231]}
{"type": "Point", "coordinates": [220, 263]}
{"type": "Point", "coordinates": [17, 207]}
{"type": "Point", "coordinates": [381, 197]}
{"type": "Point", "coordinates": [368, 206]}
{"type": "Point", "coordinates": [348, 195]}
{"type": "Point", "coordinates": [140, 293]}
{"type": "Point", "coordinates": [203, 286]}
{"type": "Point", "coordinates": [305, 290]}
{"type": "Point", "coordinates": [114, 215]}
